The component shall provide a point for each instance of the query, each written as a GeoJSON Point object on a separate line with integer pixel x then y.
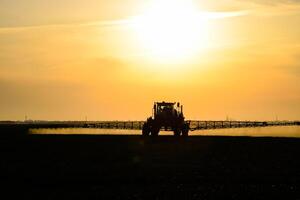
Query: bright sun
{"type": "Point", "coordinates": [171, 30]}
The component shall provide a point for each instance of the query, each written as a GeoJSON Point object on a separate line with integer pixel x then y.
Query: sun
{"type": "Point", "coordinates": [171, 30]}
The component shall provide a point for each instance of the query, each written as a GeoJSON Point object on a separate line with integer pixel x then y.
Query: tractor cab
{"type": "Point", "coordinates": [167, 115]}
{"type": "Point", "coordinates": [166, 110]}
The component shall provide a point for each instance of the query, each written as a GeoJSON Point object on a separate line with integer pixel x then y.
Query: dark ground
{"type": "Point", "coordinates": [130, 167]}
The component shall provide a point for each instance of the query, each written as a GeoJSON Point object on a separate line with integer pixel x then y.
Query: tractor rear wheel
{"type": "Point", "coordinates": [146, 129]}
{"type": "Point", "coordinates": [155, 130]}
{"type": "Point", "coordinates": [177, 131]}
{"type": "Point", "coordinates": [185, 129]}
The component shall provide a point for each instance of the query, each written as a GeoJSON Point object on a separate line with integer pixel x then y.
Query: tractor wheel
{"type": "Point", "coordinates": [155, 130]}
{"type": "Point", "coordinates": [185, 129]}
{"type": "Point", "coordinates": [177, 132]}
{"type": "Point", "coordinates": [146, 129]}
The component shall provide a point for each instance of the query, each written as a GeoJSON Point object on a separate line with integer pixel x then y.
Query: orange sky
{"type": "Point", "coordinates": [64, 60]}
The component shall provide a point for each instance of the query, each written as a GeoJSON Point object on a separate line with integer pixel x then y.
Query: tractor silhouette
{"type": "Point", "coordinates": [167, 116]}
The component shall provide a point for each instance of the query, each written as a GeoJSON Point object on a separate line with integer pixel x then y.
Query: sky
{"type": "Point", "coordinates": [110, 60]}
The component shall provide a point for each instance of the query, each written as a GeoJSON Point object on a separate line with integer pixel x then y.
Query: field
{"type": "Point", "coordinates": [132, 167]}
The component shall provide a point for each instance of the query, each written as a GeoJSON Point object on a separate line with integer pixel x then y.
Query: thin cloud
{"type": "Point", "coordinates": [120, 22]}
{"type": "Point", "coordinates": [220, 15]}
{"type": "Point", "coordinates": [275, 2]}
{"type": "Point", "coordinates": [202, 14]}
{"type": "Point", "coordinates": [271, 7]}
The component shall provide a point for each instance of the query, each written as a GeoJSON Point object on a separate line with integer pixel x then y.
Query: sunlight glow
{"type": "Point", "coordinates": [171, 30]}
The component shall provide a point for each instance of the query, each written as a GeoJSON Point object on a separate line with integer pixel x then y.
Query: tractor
{"type": "Point", "coordinates": [167, 116]}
